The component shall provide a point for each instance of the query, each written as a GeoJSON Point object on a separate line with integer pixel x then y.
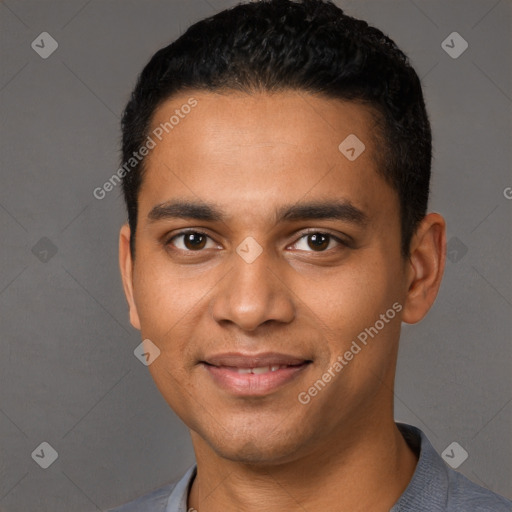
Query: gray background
{"type": "Point", "coordinates": [68, 375]}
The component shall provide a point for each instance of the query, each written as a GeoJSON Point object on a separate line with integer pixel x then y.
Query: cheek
{"type": "Point", "coordinates": [158, 282]}
{"type": "Point", "coordinates": [349, 303]}
{"type": "Point", "coordinates": [350, 296]}
{"type": "Point", "coordinates": [167, 307]}
{"type": "Point", "coordinates": [166, 304]}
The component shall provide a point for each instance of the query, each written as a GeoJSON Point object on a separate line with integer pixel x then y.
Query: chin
{"type": "Point", "coordinates": [256, 444]}
{"type": "Point", "coordinates": [256, 452]}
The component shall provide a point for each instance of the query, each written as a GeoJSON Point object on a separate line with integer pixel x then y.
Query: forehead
{"type": "Point", "coordinates": [252, 151]}
{"type": "Point", "coordinates": [233, 120]}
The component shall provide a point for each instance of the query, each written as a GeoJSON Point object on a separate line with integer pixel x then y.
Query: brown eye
{"type": "Point", "coordinates": [189, 241]}
{"type": "Point", "coordinates": [194, 241]}
{"type": "Point", "coordinates": [318, 241]}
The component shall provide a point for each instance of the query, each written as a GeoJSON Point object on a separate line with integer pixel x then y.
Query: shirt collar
{"type": "Point", "coordinates": [177, 501]}
{"type": "Point", "coordinates": [428, 486]}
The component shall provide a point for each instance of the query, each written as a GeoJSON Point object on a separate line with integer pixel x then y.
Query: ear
{"type": "Point", "coordinates": [126, 266]}
{"type": "Point", "coordinates": [425, 267]}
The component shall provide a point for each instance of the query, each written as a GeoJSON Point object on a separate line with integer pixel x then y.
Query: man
{"type": "Point", "coordinates": [278, 164]}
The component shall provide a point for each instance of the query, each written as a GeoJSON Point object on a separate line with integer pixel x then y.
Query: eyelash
{"type": "Point", "coordinates": [342, 243]}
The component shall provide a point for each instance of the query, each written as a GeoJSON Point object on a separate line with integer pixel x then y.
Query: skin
{"type": "Point", "coordinates": [250, 155]}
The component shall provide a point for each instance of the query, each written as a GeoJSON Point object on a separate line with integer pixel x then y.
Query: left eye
{"type": "Point", "coordinates": [317, 241]}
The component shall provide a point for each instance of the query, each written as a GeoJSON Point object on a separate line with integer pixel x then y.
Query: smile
{"type": "Point", "coordinates": [258, 375]}
{"type": "Point", "coordinates": [261, 369]}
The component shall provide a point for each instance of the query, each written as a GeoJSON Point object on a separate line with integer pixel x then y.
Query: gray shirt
{"type": "Point", "coordinates": [434, 487]}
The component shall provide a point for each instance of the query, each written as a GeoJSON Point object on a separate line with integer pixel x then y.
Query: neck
{"type": "Point", "coordinates": [366, 469]}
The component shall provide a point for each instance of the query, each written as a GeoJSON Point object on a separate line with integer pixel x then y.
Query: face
{"type": "Point", "coordinates": [264, 258]}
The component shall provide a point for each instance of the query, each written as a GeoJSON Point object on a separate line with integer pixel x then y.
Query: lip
{"type": "Point", "coordinates": [239, 360]}
{"type": "Point", "coordinates": [224, 371]}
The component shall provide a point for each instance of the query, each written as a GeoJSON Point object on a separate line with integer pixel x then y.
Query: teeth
{"type": "Point", "coordinates": [262, 369]}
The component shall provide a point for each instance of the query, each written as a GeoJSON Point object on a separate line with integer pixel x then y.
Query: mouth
{"type": "Point", "coordinates": [254, 375]}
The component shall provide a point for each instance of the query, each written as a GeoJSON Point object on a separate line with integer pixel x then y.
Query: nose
{"type": "Point", "coordinates": [252, 294]}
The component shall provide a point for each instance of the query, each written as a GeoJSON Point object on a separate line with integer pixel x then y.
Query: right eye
{"type": "Point", "coordinates": [190, 241]}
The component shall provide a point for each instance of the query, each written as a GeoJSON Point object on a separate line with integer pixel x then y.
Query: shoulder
{"type": "Point", "coordinates": [437, 487]}
{"type": "Point", "coordinates": [154, 501]}
{"type": "Point", "coordinates": [466, 495]}
{"type": "Point", "coordinates": [168, 498]}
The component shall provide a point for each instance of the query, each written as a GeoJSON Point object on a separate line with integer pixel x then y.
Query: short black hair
{"type": "Point", "coordinates": [305, 45]}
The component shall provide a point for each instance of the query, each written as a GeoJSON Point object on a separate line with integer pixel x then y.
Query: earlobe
{"type": "Point", "coordinates": [425, 267]}
{"type": "Point", "coordinates": [126, 267]}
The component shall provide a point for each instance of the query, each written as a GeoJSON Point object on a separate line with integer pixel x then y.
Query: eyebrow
{"type": "Point", "coordinates": [342, 210]}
